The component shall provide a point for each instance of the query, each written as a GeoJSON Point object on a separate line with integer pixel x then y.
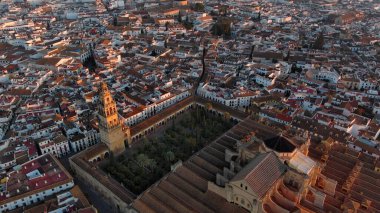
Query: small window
{"type": "Point", "coordinates": [246, 188]}
{"type": "Point", "coordinates": [254, 202]}
{"type": "Point", "coordinates": [241, 185]}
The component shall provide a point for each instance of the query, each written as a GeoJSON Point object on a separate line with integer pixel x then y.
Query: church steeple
{"type": "Point", "coordinates": [107, 108]}
{"type": "Point", "coordinates": [110, 128]}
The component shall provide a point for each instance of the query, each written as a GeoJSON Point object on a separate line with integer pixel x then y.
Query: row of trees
{"type": "Point", "coordinates": [186, 23]}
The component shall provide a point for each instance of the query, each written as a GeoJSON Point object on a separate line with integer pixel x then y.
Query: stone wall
{"type": "Point", "coordinates": [118, 204]}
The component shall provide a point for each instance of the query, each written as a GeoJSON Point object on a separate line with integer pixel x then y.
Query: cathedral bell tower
{"type": "Point", "coordinates": [110, 128]}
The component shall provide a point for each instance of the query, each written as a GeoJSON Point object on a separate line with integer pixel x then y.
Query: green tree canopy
{"type": "Point", "coordinates": [227, 115]}
{"type": "Point", "coordinates": [179, 17]}
{"type": "Point", "coordinates": [222, 27]}
{"type": "Point", "coordinates": [142, 160]}
{"type": "Point", "coordinates": [199, 7]}
{"type": "Point", "coordinates": [319, 42]}
{"type": "Point", "coordinates": [169, 156]}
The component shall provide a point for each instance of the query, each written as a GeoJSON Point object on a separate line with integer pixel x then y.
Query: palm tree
{"type": "Point", "coordinates": [191, 141]}
{"type": "Point", "coordinates": [169, 156]}
{"type": "Point", "coordinates": [255, 116]}
{"type": "Point", "coordinates": [179, 17]}
{"type": "Point", "coordinates": [152, 164]}
{"type": "Point", "coordinates": [142, 160]}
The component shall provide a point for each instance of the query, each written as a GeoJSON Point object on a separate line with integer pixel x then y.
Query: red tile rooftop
{"type": "Point", "coordinates": [41, 182]}
{"type": "Point", "coordinates": [35, 176]}
{"type": "Point", "coordinates": [364, 187]}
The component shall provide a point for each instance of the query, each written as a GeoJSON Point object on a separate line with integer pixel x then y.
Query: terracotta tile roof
{"type": "Point", "coordinates": [18, 92]}
{"type": "Point", "coordinates": [186, 188]}
{"type": "Point", "coordinates": [20, 184]}
{"type": "Point", "coordinates": [365, 186]}
{"type": "Point", "coordinates": [261, 173]}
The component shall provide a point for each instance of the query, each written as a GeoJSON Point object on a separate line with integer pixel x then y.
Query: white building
{"type": "Point", "coordinates": [71, 15]}
{"type": "Point", "coordinates": [45, 132]}
{"type": "Point", "coordinates": [57, 145]}
{"type": "Point", "coordinates": [368, 84]}
{"type": "Point", "coordinates": [265, 81]}
{"type": "Point", "coordinates": [81, 140]}
{"type": "Point", "coordinates": [376, 109]}
{"type": "Point", "coordinates": [7, 161]}
{"type": "Point", "coordinates": [162, 101]}
{"type": "Point", "coordinates": [32, 182]}
{"type": "Point", "coordinates": [234, 100]}
{"type": "Point", "coordinates": [324, 75]}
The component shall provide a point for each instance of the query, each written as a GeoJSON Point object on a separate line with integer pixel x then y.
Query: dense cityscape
{"type": "Point", "coordinates": [144, 106]}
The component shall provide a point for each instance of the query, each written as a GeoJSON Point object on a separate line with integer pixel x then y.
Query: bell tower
{"type": "Point", "coordinates": [110, 128]}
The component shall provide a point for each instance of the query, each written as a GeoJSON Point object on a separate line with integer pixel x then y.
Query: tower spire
{"type": "Point", "coordinates": [110, 128]}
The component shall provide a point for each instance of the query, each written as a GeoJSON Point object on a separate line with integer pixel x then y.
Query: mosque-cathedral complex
{"type": "Point", "coordinates": [190, 106]}
{"type": "Point", "coordinates": [251, 168]}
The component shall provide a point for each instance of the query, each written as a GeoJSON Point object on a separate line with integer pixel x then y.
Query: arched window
{"type": "Point", "coordinates": [254, 202]}
{"type": "Point", "coordinates": [106, 155]}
